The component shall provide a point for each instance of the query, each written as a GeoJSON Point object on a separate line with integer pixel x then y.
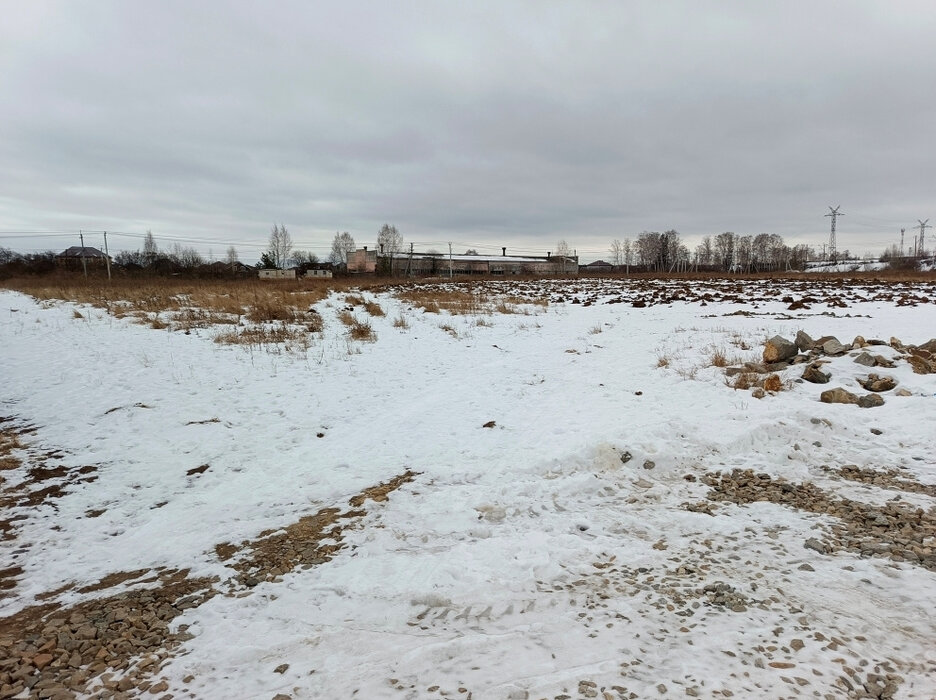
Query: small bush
{"type": "Point", "coordinates": [400, 322]}
{"type": "Point", "coordinates": [595, 330]}
{"type": "Point", "coordinates": [663, 361]}
{"type": "Point", "coordinates": [449, 329]}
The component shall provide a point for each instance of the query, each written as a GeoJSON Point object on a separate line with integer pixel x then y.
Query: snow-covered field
{"type": "Point", "coordinates": [562, 551]}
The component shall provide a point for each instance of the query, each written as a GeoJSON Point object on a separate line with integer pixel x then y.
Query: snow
{"type": "Point", "coordinates": [524, 558]}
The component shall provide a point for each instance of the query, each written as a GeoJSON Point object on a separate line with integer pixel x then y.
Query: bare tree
{"type": "Point", "coordinates": [150, 249]}
{"type": "Point", "coordinates": [232, 258]}
{"type": "Point", "coordinates": [617, 252]}
{"type": "Point", "coordinates": [301, 258]}
{"type": "Point", "coordinates": [389, 240]}
{"type": "Point", "coordinates": [725, 249]}
{"type": "Point", "coordinates": [280, 246]}
{"type": "Point", "coordinates": [705, 252]}
{"type": "Point", "coordinates": [648, 249]}
{"type": "Point", "coordinates": [628, 251]}
{"type": "Point", "coordinates": [562, 248]}
{"type": "Point", "coordinates": [342, 244]}
{"type": "Point", "coordinates": [185, 257]}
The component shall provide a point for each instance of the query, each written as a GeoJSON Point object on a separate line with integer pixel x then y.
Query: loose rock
{"type": "Point", "coordinates": [838, 395]}
{"type": "Point", "coordinates": [778, 349]}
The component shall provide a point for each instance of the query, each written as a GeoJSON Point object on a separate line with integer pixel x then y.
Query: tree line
{"type": "Point", "coordinates": [725, 252]}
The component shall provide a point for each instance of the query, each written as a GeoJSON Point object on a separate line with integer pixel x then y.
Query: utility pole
{"type": "Point", "coordinates": [107, 257]}
{"type": "Point", "coordinates": [409, 260]}
{"type": "Point", "coordinates": [902, 239]}
{"type": "Point", "coordinates": [84, 263]}
{"type": "Point", "coordinates": [923, 225]}
{"type": "Point", "coordinates": [833, 213]}
{"type": "Point", "coordinates": [450, 260]}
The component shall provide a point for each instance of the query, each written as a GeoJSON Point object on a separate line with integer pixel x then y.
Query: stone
{"type": "Point", "coordinates": [282, 668]}
{"type": "Point", "coordinates": [649, 464]}
{"type": "Point", "coordinates": [40, 661]}
{"type": "Point", "coordinates": [859, 342]}
{"type": "Point", "coordinates": [796, 644]}
{"type": "Point", "coordinates": [833, 347]}
{"type": "Point", "coordinates": [773, 383]}
{"type": "Point", "coordinates": [876, 431]}
{"type": "Point", "coordinates": [758, 392]}
{"type": "Point", "coordinates": [929, 345]}
{"type": "Point", "coordinates": [875, 383]}
{"type": "Point", "coordinates": [903, 392]}
{"type": "Point", "coordinates": [803, 342]}
{"type": "Point", "coordinates": [895, 343]}
{"type": "Point", "coordinates": [778, 349]}
{"type": "Point", "coordinates": [837, 395]}
{"type": "Point", "coordinates": [813, 374]}
{"type": "Point", "coordinates": [881, 361]}
{"type": "Point", "coordinates": [920, 364]}
{"type": "Point", "coordinates": [817, 546]}
{"type": "Point", "coordinates": [871, 401]}
{"type": "Point", "coordinates": [866, 359]}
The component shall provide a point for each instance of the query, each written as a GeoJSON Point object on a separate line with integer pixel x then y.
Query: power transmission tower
{"type": "Point", "coordinates": [923, 225]}
{"type": "Point", "coordinates": [834, 213]}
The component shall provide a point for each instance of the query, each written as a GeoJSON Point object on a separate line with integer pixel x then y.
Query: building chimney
{"type": "Point", "coordinates": [504, 251]}
{"type": "Point", "coordinates": [365, 249]}
{"type": "Point", "coordinates": [548, 254]}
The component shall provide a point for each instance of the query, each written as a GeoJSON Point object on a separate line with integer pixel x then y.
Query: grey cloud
{"type": "Point", "coordinates": [493, 122]}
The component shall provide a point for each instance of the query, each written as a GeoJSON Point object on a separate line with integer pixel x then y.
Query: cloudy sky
{"type": "Point", "coordinates": [482, 123]}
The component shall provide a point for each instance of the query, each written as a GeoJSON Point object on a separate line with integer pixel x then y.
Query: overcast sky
{"type": "Point", "coordinates": [501, 123]}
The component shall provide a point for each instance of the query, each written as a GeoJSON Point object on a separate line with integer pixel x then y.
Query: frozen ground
{"type": "Point", "coordinates": [568, 550]}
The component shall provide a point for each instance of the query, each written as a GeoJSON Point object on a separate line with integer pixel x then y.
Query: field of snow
{"type": "Point", "coordinates": [553, 532]}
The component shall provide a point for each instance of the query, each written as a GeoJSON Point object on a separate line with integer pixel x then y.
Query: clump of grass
{"type": "Point", "coordinates": [744, 380]}
{"type": "Point", "coordinates": [315, 323]}
{"type": "Point", "coordinates": [449, 329]}
{"type": "Point", "coordinates": [347, 318]}
{"type": "Point", "coordinates": [503, 307]}
{"type": "Point", "coordinates": [354, 300]}
{"type": "Point", "coordinates": [595, 330]}
{"type": "Point", "coordinates": [77, 314]}
{"type": "Point", "coordinates": [483, 322]}
{"type": "Point", "coordinates": [265, 335]}
{"type": "Point", "coordinates": [719, 359]}
{"type": "Point", "coordinates": [158, 323]}
{"type": "Point", "coordinates": [361, 330]}
{"type": "Point", "coordinates": [373, 308]}
{"type": "Point", "coordinates": [400, 322]}
{"type": "Point", "coordinates": [436, 300]}
{"type": "Point", "coordinates": [663, 361]}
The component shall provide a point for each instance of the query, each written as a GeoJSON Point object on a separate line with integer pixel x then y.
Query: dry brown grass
{"type": "Point", "coordinates": [719, 358]}
{"type": "Point", "coordinates": [373, 308]}
{"type": "Point", "coordinates": [744, 380]}
{"type": "Point", "coordinates": [290, 337]}
{"type": "Point", "coordinates": [400, 322]}
{"type": "Point", "coordinates": [455, 301]}
{"type": "Point", "coordinates": [347, 318]}
{"type": "Point", "coordinates": [449, 329]}
{"type": "Point", "coordinates": [361, 330]}
{"type": "Point", "coordinates": [200, 301]}
{"type": "Point", "coordinates": [663, 361]}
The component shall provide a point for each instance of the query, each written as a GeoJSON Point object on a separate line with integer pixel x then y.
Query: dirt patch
{"type": "Point", "coordinates": [116, 643]}
{"type": "Point", "coordinates": [381, 492]}
{"type": "Point", "coordinates": [311, 541]}
{"type": "Point", "coordinates": [894, 530]}
{"type": "Point", "coordinates": [197, 470]}
{"type": "Point", "coordinates": [889, 479]}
